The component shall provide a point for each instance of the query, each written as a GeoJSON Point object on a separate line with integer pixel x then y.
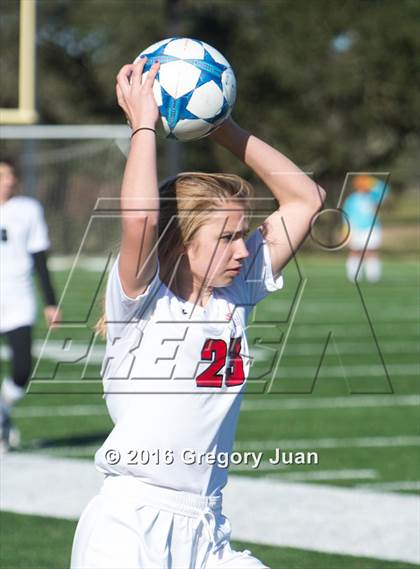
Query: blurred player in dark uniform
{"type": "Point", "coordinates": [23, 247]}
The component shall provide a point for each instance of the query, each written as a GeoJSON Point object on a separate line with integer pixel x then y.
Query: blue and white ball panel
{"type": "Point", "coordinates": [187, 129]}
{"type": "Point", "coordinates": [206, 101]}
{"type": "Point", "coordinates": [195, 88]}
{"type": "Point", "coordinates": [154, 47]}
{"type": "Point", "coordinates": [229, 86]}
{"type": "Point", "coordinates": [185, 48]}
{"type": "Point", "coordinates": [178, 78]}
{"type": "Point", "coordinates": [216, 55]}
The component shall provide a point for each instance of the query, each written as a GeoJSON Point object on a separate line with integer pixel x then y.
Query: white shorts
{"type": "Point", "coordinates": [15, 313]}
{"type": "Point", "coordinates": [358, 238]}
{"type": "Point", "coordinates": [133, 525]}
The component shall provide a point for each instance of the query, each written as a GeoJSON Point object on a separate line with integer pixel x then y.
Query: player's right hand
{"type": "Point", "coordinates": [52, 315]}
{"type": "Point", "coordinates": [136, 97]}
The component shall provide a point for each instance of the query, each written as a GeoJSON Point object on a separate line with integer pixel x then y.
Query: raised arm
{"type": "Point", "coordinates": [298, 196]}
{"type": "Point", "coordinates": [139, 191]}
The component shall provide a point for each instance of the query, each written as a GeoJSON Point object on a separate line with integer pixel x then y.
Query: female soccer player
{"type": "Point", "coordinates": [177, 302]}
{"type": "Point", "coordinates": [365, 230]}
{"type": "Point", "coordinates": [23, 246]}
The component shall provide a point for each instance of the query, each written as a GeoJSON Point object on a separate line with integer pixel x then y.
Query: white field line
{"type": "Point", "coordinates": [280, 469]}
{"type": "Point", "coordinates": [66, 451]}
{"type": "Point", "coordinates": [331, 475]}
{"type": "Point", "coordinates": [353, 370]}
{"type": "Point", "coordinates": [267, 404]}
{"type": "Point", "coordinates": [308, 402]}
{"type": "Point", "coordinates": [284, 514]}
{"type": "Point", "coordinates": [282, 474]}
{"type": "Point", "coordinates": [392, 486]}
{"type": "Point", "coordinates": [55, 352]}
{"type": "Point", "coordinates": [68, 260]}
{"type": "Point", "coordinates": [59, 411]}
{"type": "Point", "coordinates": [54, 348]}
{"type": "Point", "coordinates": [288, 444]}
{"type": "Point", "coordinates": [348, 348]}
{"type": "Point", "coordinates": [350, 307]}
{"type": "Point", "coordinates": [94, 264]}
{"type": "Point", "coordinates": [359, 330]}
{"type": "Point", "coordinates": [354, 442]}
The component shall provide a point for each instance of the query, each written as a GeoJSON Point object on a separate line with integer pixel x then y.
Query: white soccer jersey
{"type": "Point", "coordinates": [23, 232]}
{"type": "Point", "coordinates": [174, 375]}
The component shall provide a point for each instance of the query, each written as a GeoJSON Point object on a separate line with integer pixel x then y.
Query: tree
{"type": "Point", "coordinates": [331, 84]}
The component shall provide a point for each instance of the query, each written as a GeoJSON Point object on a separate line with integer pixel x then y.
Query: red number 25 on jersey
{"type": "Point", "coordinates": [216, 352]}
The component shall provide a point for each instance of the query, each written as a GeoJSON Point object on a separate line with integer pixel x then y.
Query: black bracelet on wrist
{"type": "Point", "coordinates": [142, 128]}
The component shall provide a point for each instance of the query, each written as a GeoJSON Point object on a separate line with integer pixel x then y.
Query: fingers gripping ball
{"type": "Point", "coordinates": [195, 88]}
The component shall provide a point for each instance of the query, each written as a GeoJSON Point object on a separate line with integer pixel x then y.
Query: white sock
{"type": "Point", "coordinates": [372, 266]}
{"type": "Point", "coordinates": [352, 264]}
{"type": "Point", "coordinates": [10, 393]}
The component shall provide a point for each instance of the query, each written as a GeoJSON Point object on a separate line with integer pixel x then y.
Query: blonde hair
{"type": "Point", "coordinates": [187, 201]}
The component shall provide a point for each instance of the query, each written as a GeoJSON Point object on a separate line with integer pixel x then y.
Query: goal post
{"type": "Point", "coordinates": [26, 112]}
{"type": "Point", "coordinates": [68, 167]}
{"type": "Point", "coordinates": [65, 132]}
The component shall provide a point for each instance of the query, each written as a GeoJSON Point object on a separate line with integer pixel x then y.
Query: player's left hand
{"type": "Point", "coordinates": [52, 315]}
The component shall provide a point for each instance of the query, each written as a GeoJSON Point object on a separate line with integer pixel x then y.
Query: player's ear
{"type": "Point", "coordinates": [181, 249]}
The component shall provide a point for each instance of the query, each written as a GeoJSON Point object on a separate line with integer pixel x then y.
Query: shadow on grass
{"type": "Point", "coordinates": [78, 441]}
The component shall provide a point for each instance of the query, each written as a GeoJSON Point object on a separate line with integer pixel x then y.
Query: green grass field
{"type": "Point", "coordinates": [335, 342]}
{"type": "Point", "coordinates": [40, 543]}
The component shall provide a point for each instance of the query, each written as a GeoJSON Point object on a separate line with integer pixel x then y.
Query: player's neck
{"type": "Point", "coordinates": [193, 294]}
{"type": "Point", "coordinates": [188, 288]}
{"type": "Point", "coordinates": [197, 298]}
{"type": "Point", "coordinates": [5, 198]}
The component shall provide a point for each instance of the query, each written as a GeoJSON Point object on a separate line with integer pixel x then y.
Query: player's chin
{"type": "Point", "coordinates": [227, 278]}
{"type": "Point", "coordinates": [222, 280]}
{"type": "Point", "coordinates": [5, 192]}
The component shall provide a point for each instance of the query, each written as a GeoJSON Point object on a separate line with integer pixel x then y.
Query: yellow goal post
{"type": "Point", "coordinates": [26, 112]}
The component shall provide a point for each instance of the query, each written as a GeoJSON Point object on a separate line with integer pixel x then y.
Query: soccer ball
{"type": "Point", "coordinates": [195, 87]}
